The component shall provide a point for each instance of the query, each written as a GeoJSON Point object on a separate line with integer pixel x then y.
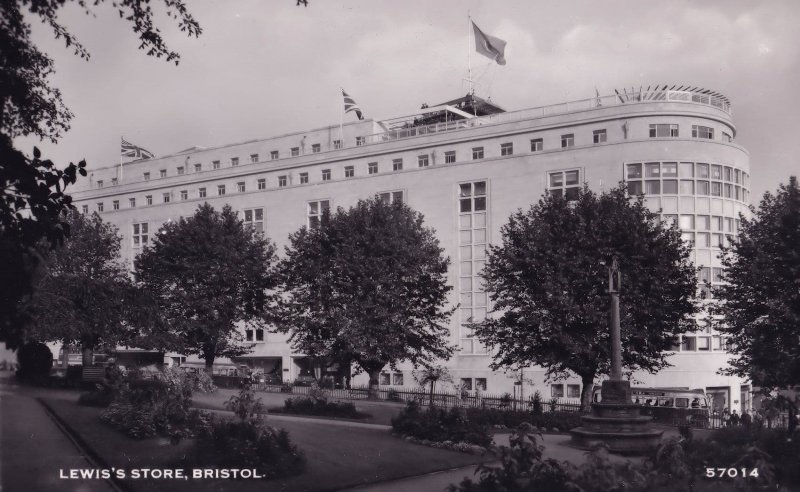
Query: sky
{"type": "Point", "coordinates": [261, 69]}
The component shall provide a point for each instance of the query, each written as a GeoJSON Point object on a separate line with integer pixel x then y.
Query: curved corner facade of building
{"type": "Point", "coordinates": [467, 176]}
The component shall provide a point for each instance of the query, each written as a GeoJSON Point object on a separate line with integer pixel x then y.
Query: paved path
{"type": "Point", "coordinates": [34, 449]}
{"type": "Point", "coordinates": [556, 447]}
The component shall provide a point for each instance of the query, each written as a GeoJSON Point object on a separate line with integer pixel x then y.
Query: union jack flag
{"type": "Point", "coordinates": [130, 150]}
{"type": "Point", "coordinates": [350, 105]}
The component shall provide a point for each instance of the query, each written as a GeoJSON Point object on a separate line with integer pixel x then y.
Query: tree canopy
{"type": "Point", "coordinates": [86, 296]}
{"type": "Point", "coordinates": [548, 282]}
{"type": "Point", "coordinates": [33, 189]}
{"type": "Point", "coordinates": [759, 304]}
{"type": "Point", "coordinates": [367, 285]}
{"type": "Point", "coordinates": [209, 275]}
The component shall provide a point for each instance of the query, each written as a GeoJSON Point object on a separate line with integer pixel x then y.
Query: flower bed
{"type": "Point", "coordinates": [303, 405]}
{"type": "Point", "coordinates": [440, 425]}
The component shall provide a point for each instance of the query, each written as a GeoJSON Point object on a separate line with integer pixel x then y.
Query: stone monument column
{"type": "Point", "coordinates": [616, 420]}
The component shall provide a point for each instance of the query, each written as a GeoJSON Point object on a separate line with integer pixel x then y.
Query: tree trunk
{"type": "Point", "coordinates": [87, 356]}
{"type": "Point", "coordinates": [433, 387]}
{"type": "Point", "coordinates": [373, 384]}
{"type": "Point", "coordinates": [587, 382]}
{"type": "Point", "coordinates": [209, 355]}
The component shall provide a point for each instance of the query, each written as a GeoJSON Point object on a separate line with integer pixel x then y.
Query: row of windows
{"type": "Point", "coordinates": [472, 240]}
{"type": "Point", "coordinates": [696, 179]}
{"type": "Point", "coordinates": [573, 391]}
{"type": "Point", "coordinates": [698, 170]}
{"type": "Point", "coordinates": [659, 130]}
{"type": "Point", "coordinates": [702, 343]}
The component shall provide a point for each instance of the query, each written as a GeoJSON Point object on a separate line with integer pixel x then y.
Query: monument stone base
{"type": "Point", "coordinates": [616, 422]}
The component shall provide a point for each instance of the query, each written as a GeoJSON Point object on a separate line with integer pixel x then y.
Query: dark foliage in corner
{"type": "Point", "coordinates": [35, 361]}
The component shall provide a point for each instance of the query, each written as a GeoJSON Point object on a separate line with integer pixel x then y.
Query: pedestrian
{"type": "Point", "coordinates": [746, 420]}
{"type": "Point", "coordinates": [734, 418]}
{"type": "Point", "coordinates": [726, 417]}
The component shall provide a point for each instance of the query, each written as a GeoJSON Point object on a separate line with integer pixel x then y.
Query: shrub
{"type": "Point", "coordinates": [159, 405]}
{"type": "Point", "coordinates": [512, 419]}
{"type": "Point", "coordinates": [438, 424]}
{"type": "Point", "coordinates": [105, 392]}
{"type": "Point", "coordinates": [393, 395]}
{"type": "Point", "coordinates": [303, 405]}
{"type": "Point", "coordinates": [536, 403]}
{"type": "Point", "coordinates": [247, 442]}
{"type": "Point", "coordinates": [675, 465]}
{"type": "Point", "coordinates": [35, 361]}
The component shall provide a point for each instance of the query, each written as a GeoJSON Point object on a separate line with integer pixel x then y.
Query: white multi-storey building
{"type": "Point", "coordinates": [466, 165]}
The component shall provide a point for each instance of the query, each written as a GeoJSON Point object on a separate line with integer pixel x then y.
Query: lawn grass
{"type": "Point", "coordinates": [339, 454]}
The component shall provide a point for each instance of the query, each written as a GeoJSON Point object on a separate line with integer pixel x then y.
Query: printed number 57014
{"type": "Point", "coordinates": [731, 472]}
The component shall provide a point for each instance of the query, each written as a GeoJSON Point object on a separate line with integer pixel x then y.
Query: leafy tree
{"type": "Point", "coordinates": [759, 304]}
{"type": "Point", "coordinates": [368, 285]}
{"type": "Point", "coordinates": [34, 190]}
{"type": "Point", "coordinates": [86, 296]}
{"type": "Point", "coordinates": [429, 376]}
{"type": "Point", "coordinates": [208, 274]}
{"type": "Point", "coordinates": [548, 282]}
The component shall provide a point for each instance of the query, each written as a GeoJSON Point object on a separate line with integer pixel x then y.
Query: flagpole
{"type": "Point", "coordinates": [120, 159]}
{"type": "Point", "coordinates": [341, 119]}
{"type": "Point", "coordinates": [469, 55]}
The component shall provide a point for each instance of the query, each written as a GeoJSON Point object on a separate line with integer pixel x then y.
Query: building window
{"type": "Point", "coordinates": [699, 131]}
{"type": "Point", "coordinates": [253, 158]}
{"type": "Point", "coordinates": [262, 184]}
{"type": "Point", "coordinates": [349, 171]}
{"type": "Point", "coordinates": [391, 197]}
{"type": "Point", "coordinates": [397, 379]}
{"type": "Point", "coordinates": [337, 144]}
{"type": "Point", "coordinates": [422, 160]}
{"type": "Point", "coordinates": [663, 130]}
{"type": "Point", "coordinates": [450, 157]}
{"type": "Point", "coordinates": [567, 140]}
{"type": "Point", "coordinates": [114, 181]}
{"type": "Point", "coordinates": [316, 148]}
{"type": "Point", "coordinates": [557, 391]}
{"type": "Point", "coordinates": [85, 209]}
{"type": "Point", "coordinates": [201, 193]}
{"type": "Point", "coordinates": [295, 151]}
{"type": "Point", "coordinates": [198, 168]}
{"type": "Point", "coordinates": [372, 168]}
{"type": "Point", "coordinates": [326, 175]}
{"type": "Point", "coordinates": [315, 211]}
{"type": "Point", "coordinates": [181, 170]}
{"type": "Point", "coordinates": [282, 181]}
{"type": "Point", "coordinates": [466, 384]}
{"type": "Point", "coordinates": [384, 379]}
{"type": "Point", "coordinates": [240, 186]}
{"type": "Point", "coordinates": [140, 234]}
{"type": "Point", "coordinates": [599, 136]}
{"type": "Point", "coordinates": [148, 199]}
{"type": "Point", "coordinates": [565, 183]}
{"type": "Point", "coordinates": [147, 176]}
{"type": "Point", "coordinates": [220, 190]}
{"type": "Point", "coordinates": [397, 164]}
{"type": "Point", "coordinates": [115, 205]}
{"type": "Point", "coordinates": [184, 194]}
{"type": "Point", "coordinates": [132, 202]}
{"type": "Point", "coordinates": [166, 197]}
{"type": "Point", "coordinates": [361, 141]}
{"type": "Point", "coordinates": [573, 391]}
{"type": "Point", "coordinates": [507, 148]}
{"type": "Point", "coordinates": [234, 161]}
{"type": "Point", "coordinates": [99, 183]}
{"type": "Point", "coordinates": [163, 173]}
{"type": "Point", "coordinates": [480, 384]}
{"type": "Point", "coordinates": [215, 164]}
{"type": "Point", "coordinates": [537, 144]}
{"type": "Point", "coordinates": [477, 153]}
{"type": "Point", "coordinates": [254, 219]}
{"type": "Point", "coordinates": [473, 240]}
{"type": "Point", "coordinates": [273, 155]}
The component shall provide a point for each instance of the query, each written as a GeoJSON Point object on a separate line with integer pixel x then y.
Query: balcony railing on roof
{"type": "Point", "coordinates": [622, 99]}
